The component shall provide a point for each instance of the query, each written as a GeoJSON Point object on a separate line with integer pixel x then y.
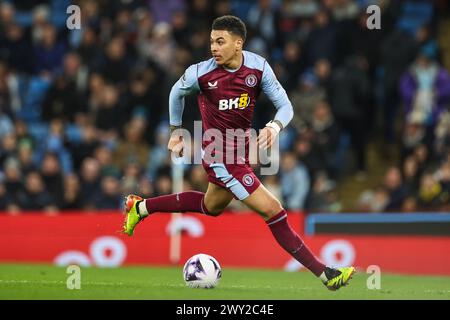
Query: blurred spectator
{"type": "Point", "coordinates": [52, 176]}
{"type": "Point", "coordinates": [85, 146]}
{"type": "Point", "coordinates": [357, 38]}
{"type": "Point", "coordinates": [158, 156]}
{"type": "Point", "coordinates": [198, 44]}
{"type": "Point", "coordinates": [15, 47]}
{"type": "Point", "coordinates": [431, 193]}
{"type": "Point", "coordinates": [425, 89]}
{"type": "Point", "coordinates": [293, 64]}
{"type": "Point", "coordinates": [72, 199]}
{"type": "Point", "coordinates": [410, 204]}
{"type": "Point", "coordinates": [411, 175]}
{"type": "Point", "coordinates": [6, 110]}
{"type": "Point", "coordinates": [396, 52]}
{"type": "Point", "coordinates": [133, 148]}
{"type": "Point", "coordinates": [22, 134]}
{"type": "Point", "coordinates": [5, 198]}
{"type": "Point", "coordinates": [323, 197]}
{"type": "Point", "coordinates": [221, 8]}
{"type": "Point", "coordinates": [25, 157]}
{"type": "Point", "coordinates": [321, 42]}
{"type": "Point", "coordinates": [13, 178]}
{"type": "Point", "coordinates": [349, 100]}
{"type": "Point", "coordinates": [305, 153]}
{"type": "Point", "coordinates": [91, 14]}
{"type": "Point", "coordinates": [48, 52]}
{"type": "Point", "coordinates": [373, 201]}
{"type": "Point", "coordinates": [6, 125]}
{"type": "Point", "coordinates": [305, 98]}
{"type": "Point", "coordinates": [261, 19]}
{"type": "Point", "coordinates": [422, 154]}
{"type": "Point", "coordinates": [56, 142]}
{"type": "Point", "coordinates": [104, 155]}
{"type": "Point", "coordinates": [163, 185]}
{"type": "Point", "coordinates": [161, 47]}
{"type": "Point", "coordinates": [442, 136]}
{"type": "Point", "coordinates": [394, 186]}
{"type": "Point", "coordinates": [326, 138]}
{"type": "Point", "coordinates": [145, 188]}
{"type": "Point", "coordinates": [414, 134]}
{"type": "Point", "coordinates": [322, 71]}
{"type": "Point", "coordinates": [442, 175]}
{"type": "Point", "coordinates": [163, 9]}
{"type": "Point", "coordinates": [109, 115]}
{"type": "Point", "coordinates": [7, 15]}
{"type": "Point", "coordinates": [200, 14]}
{"type": "Point", "coordinates": [115, 64]}
{"type": "Point", "coordinates": [63, 99]}
{"type": "Point", "coordinates": [181, 29]}
{"type": "Point", "coordinates": [142, 101]}
{"type": "Point", "coordinates": [40, 15]}
{"type": "Point", "coordinates": [130, 180]}
{"type": "Point", "coordinates": [345, 9]}
{"type": "Point", "coordinates": [295, 183]}
{"type": "Point", "coordinates": [109, 196]}
{"type": "Point", "coordinates": [96, 86]}
{"type": "Point", "coordinates": [8, 147]}
{"type": "Point", "coordinates": [35, 196]}
{"type": "Point", "coordinates": [287, 23]}
{"type": "Point", "coordinates": [90, 181]}
{"type": "Point", "coordinates": [89, 49]}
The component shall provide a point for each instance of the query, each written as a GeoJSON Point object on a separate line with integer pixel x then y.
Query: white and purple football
{"type": "Point", "coordinates": [202, 271]}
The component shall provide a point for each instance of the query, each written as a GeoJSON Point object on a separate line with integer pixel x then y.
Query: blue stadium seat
{"type": "Point", "coordinates": [414, 15]}
{"type": "Point", "coordinates": [34, 94]}
{"type": "Point", "coordinates": [59, 15]}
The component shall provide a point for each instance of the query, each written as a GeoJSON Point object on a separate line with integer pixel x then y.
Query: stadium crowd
{"type": "Point", "coordinates": [84, 112]}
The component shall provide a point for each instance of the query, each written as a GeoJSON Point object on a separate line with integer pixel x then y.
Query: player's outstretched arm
{"type": "Point", "coordinates": [276, 93]}
{"type": "Point", "coordinates": [186, 85]}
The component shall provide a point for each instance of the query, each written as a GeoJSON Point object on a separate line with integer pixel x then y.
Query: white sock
{"type": "Point", "coordinates": [323, 277]}
{"type": "Point", "coordinates": [143, 209]}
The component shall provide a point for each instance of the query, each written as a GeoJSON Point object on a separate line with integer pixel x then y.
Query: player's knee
{"type": "Point", "coordinates": [216, 213]}
{"type": "Point", "coordinates": [213, 211]}
{"type": "Point", "coordinates": [273, 209]}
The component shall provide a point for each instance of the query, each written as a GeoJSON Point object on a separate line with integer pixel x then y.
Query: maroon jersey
{"type": "Point", "coordinates": [227, 99]}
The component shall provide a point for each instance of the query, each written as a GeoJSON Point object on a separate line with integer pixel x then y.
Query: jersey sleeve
{"type": "Point", "coordinates": [276, 93]}
{"type": "Point", "coordinates": [186, 85]}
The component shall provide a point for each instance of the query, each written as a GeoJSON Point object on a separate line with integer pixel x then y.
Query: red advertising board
{"type": "Point", "coordinates": [241, 240]}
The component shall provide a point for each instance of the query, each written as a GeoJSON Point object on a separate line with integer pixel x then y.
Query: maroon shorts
{"type": "Point", "coordinates": [239, 179]}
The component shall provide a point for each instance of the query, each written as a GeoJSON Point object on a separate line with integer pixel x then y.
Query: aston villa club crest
{"type": "Point", "coordinates": [251, 80]}
{"type": "Point", "coordinates": [248, 180]}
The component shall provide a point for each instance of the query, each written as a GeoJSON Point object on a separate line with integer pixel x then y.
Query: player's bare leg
{"type": "Point", "coordinates": [212, 203]}
{"type": "Point", "coordinates": [266, 205]}
{"type": "Point", "coordinates": [216, 199]}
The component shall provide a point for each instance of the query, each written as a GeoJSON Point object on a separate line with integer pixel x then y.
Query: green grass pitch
{"type": "Point", "coordinates": [161, 283]}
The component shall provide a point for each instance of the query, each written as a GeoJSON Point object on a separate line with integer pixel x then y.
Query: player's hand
{"type": "Point", "coordinates": [176, 144]}
{"type": "Point", "coordinates": [267, 137]}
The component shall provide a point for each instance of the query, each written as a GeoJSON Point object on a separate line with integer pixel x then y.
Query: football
{"type": "Point", "coordinates": [202, 271]}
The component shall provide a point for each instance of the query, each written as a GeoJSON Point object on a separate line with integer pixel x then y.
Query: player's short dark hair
{"type": "Point", "coordinates": [231, 24]}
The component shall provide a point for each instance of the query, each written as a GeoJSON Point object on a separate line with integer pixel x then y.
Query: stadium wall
{"type": "Point", "coordinates": [240, 240]}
